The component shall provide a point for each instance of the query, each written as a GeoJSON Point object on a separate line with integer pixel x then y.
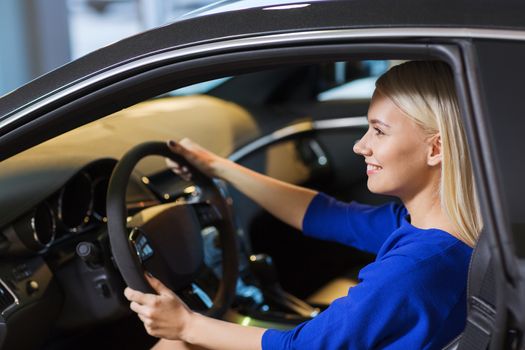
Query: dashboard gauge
{"type": "Point", "coordinates": [75, 203]}
{"type": "Point", "coordinates": [43, 225]}
{"type": "Point", "coordinates": [100, 189]}
{"type": "Point", "coordinates": [36, 230]}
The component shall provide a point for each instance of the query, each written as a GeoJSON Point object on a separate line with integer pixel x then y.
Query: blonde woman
{"type": "Point", "coordinates": [413, 295]}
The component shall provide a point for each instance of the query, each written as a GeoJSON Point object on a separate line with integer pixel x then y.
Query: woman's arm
{"type": "Point", "coordinates": [216, 334]}
{"type": "Point", "coordinates": [165, 316]}
{"type": "Point", "coordinates": [285, 201]}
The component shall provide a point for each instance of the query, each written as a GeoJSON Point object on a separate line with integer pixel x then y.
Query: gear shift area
{"type": "Point", "coordinates": [262, 267]}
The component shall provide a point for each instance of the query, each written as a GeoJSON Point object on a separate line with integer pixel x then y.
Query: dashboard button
{"type": "Point", "coordinates": [32, 287]}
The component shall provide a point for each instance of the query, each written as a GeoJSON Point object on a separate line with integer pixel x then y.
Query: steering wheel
{"type": "Point", "coordinates": [166, 239]}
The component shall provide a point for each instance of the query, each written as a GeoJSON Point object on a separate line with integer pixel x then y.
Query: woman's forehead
{"type": "Point", "coordinates": [384, 111]}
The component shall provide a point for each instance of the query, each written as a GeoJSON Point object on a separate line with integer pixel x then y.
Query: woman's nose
{"type": "Point", "coordinates": [361, 148]}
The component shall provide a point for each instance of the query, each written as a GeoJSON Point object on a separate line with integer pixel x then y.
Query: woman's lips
{"type": "Point", "coordinates": [372, 169]}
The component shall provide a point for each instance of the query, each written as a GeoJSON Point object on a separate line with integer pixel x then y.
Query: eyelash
{"type": "Point", "coordinates": [378, 132]}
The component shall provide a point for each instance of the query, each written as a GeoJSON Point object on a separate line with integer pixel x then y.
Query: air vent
{"type": "Point", "coordinates": [6, 297]}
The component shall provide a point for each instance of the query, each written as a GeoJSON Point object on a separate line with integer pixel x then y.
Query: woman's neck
{"type": "Point", "coordinates": [426, 211]}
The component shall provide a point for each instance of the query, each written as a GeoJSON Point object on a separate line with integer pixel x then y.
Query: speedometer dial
{"type": "Point", "coordinates": [75, 203]}
{"type": "Point", "coordinates": [36, 230]}
{"type": "Point", "coordinates": [43, 225]}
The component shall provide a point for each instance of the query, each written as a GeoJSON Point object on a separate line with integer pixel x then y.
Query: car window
{"type": "Point", "coordinates": [199, 88]}
{"type": "Point", "coordinates": [340, 81]}
{"type": "Point", "coordinates": [360, 88]}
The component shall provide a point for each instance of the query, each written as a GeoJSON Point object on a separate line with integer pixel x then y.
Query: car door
{"type": "Point", "coordinates": [495, 318]}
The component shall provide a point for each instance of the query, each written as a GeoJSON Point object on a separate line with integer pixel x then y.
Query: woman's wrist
{"type": "Point", "coordinates": [210, 333]}
{"type": "Point", "coordinates": [222, 168]}
{"type": "Point", "coordinates": [187, 334]}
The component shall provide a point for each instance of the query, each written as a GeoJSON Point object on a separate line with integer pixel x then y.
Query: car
{"type": "Point", "coordinates": [282, 88]}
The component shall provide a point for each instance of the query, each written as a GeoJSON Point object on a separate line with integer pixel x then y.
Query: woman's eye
{"type": "Point", "coordinates": [378, 131]}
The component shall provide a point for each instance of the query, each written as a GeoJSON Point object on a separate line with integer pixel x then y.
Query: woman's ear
{"type": "Point", "coordinates": [434, 150]}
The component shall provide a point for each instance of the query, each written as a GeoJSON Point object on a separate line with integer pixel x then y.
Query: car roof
{"type": "Point", "coordinates": [318, 15]}
{"type": "Point", "coordinates": [237, 5]}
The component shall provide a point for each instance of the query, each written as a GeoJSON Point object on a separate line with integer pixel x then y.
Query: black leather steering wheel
{"type": "Point", "coordinates": [166, 239]}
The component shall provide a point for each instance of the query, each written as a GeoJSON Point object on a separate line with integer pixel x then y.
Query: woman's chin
{"type": "Point", "coordinates": [374, 187]}
{"type": "Point", "coordinates": [380, 188]}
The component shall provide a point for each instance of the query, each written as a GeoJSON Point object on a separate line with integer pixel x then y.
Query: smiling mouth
{"type": "Point", "coordinates": [372, 169]}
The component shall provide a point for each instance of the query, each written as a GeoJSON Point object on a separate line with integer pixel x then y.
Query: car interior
{"type": "Point", "coordinates": [294, 122]}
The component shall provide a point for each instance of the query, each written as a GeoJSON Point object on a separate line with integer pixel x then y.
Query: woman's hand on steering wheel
{"type": "Point", "coordinates": [164, 314]}
{"type": "Point", "coordinates": [207, 162]}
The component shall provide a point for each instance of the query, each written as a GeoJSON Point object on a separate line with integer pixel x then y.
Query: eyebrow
{"type": "Point", "coordinates": [377, 121]}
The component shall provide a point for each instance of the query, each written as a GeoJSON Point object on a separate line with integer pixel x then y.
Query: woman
{"type": "Point", "coordinates": [413, 295]}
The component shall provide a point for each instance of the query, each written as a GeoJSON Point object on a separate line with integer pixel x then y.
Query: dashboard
{"type": "Point", "coordinates": [59, 236]}
{"type": "Point", "coordinates": [77, 207]}
{"type": "Point", "coordinates": [57, 274]}
{"type": "Point", "coordinates": [57, 268]}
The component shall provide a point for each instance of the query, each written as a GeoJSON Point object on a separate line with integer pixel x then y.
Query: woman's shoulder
{"type": "Point", "coordinates": [434, 260]}
{"type": "Point", "coordinates": [423, 244]}
{"type": "Point", "coordinates": [420, 267]}
{"type": "Point", "coordinates": [323, 202]}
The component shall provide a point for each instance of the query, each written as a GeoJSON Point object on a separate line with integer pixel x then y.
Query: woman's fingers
{"type": "Point", "coordinates": [178, 147]}
{"type": "Point", "coordinates": [163, 315]}
{"type": "Point", "coordinates": [139, 297]}
{"type": "Point", "coordinates": [186, 148]}
{"type": "Point", "coordinates": [177, 169]}
{"type": "Point", "coordinates": [158, 286]}
{"type": "Point", "coordinates": [187, 144]}
{"type": "Point", "coordinates": [173, 165]}
{"type": "Point", "coordinates": [141, 310]}
{"type": "Point", "coordinates": [182, 171]}
{"type": "Point", "coordinates": [196, 155]}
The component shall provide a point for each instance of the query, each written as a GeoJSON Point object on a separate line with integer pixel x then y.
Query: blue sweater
{"type": "Point", "coordinates": [413, 296]}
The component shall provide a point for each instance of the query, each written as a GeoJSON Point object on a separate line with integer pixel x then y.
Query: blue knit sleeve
{"type": "Point", "coordinates": [362, 226]}
{"type": "Point", "coordinates": [374, 315]}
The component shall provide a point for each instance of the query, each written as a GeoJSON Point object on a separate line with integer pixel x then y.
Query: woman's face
{"type": "Point", "coordinates": [396, 151]}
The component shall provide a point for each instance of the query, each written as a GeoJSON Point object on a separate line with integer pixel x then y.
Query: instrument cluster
{"type": "Point", "coordinates": [78, 206]}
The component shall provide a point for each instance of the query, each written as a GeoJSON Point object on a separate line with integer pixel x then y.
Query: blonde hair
{"type": "Point", "coordinates": [425, 92]}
